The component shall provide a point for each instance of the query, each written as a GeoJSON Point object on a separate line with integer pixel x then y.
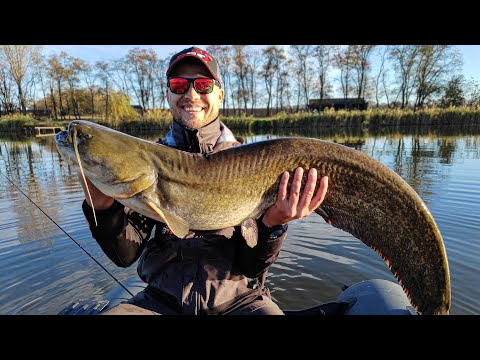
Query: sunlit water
{"type": "Point", "coordinates": [44, 239]}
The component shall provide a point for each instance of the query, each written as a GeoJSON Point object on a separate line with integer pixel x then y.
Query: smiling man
{"type": "Point", "coordinates": [194, 95]}
{"type": "Point", "coordinates": [206, 272]}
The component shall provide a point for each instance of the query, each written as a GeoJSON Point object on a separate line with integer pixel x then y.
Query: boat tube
{"type": "Point", "coordinates": [369, 297]}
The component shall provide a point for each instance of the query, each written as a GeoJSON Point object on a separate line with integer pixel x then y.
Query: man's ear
{"type": "Point", "coordinates": [221, 95]}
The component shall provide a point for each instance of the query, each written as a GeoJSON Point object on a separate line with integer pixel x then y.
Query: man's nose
{"type": "Point", "coordinates": [191, 93]}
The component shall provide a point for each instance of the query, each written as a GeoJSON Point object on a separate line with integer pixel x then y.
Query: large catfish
{"type": "Point", "coordinates": [232, 187]}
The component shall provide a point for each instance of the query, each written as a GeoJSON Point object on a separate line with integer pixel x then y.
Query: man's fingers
{"type": "Point", "coordinates": [308, 190]}
{"type": "Point", "coordinates": [295, 190]}
{"type": "Point", "coordinates": [320, 195]}
{"type": "Point", "coordinates": [282, 189]}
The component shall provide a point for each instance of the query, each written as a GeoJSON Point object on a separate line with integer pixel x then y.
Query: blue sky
{"type": "Point", "coordinates": [92, 53]}
{"type": "Point", "coordinates": [471, 61]}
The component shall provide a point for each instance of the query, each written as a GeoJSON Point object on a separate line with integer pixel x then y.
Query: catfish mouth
{"type": "Point", "coordinates": [64, 138]}
{"type": "Point", "coordinates": [78, 132]}
{"type": "Point", "coordinates": [65, 145]}
{"type": "Point", "coordinates": [61, 138]}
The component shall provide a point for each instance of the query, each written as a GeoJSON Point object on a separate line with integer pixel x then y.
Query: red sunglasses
{"type": "Point", "coordinates": [180, 85]}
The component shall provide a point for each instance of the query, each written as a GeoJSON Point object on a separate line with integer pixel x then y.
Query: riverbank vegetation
{"type": "Point", "coordinates": [371, 118]}
{"type": "Point", "coordinates": [368, 119]}
{"type": "Point", "coordinates": [16, 122]}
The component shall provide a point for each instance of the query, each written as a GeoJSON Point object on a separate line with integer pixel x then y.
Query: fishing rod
{"type": "Point", "coordinates": [71, 238]}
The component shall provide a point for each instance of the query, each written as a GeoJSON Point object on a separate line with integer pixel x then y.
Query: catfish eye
{"type": "Point", "coordinates": [87, 136]}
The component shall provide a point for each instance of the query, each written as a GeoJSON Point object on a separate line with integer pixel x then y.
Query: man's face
{"type": "Point", "coordinates": [190, 109]}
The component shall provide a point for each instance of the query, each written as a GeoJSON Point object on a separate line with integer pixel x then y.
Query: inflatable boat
{"type": "Point", "coordinates": [369, 297]}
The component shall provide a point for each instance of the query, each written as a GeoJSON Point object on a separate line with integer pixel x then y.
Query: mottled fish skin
{"type": "Point", "coordinates": [365, 198]}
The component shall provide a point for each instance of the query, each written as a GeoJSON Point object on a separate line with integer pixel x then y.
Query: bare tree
{"type": "Point", "coordinates": [385, 89]}
{"type": "Point", "coordinates": [159, 70]}
{"type": "Point", "coordinates": [344, 61]}
{"type": "Point", "coordinates": [270, 66]}
{"type": "Point", "coordinates": [56, 71]}
{"type": "Point", "coordinates": [102, 71]}
{"type": "Point", "coordinates": [41, 70]}
{"type": "Point", "coordinates": [324, 57]}
{"type": "Point", "coordinates": [382, 52]}
{"type": "Point", "coordinates": [435, 64]}
{"type": "Point", "coordinates": [279, 73]}
{"type": "Point", "coordinates": [51, 84]}
{"type": "Point", "coordinates": [301, 55]}
{"type": "Point", "coordinates": [284, 92]}
{"type": "Point", "coordinates": [223, 55]}
{"type": "Point", "coordinates": [90, 77]}
{"type": "Point", "coordinates": [297, 80]}
{"type": "Point", "coordinates": [74, 67]}
{"type": "Point", "coordinates": [142, 64]}
{"type": "Point", "coordinates": [31, 89]}
{"type": "Point", "coordinates": [119, 74]}
{"type": "Point", "coordinates": [361, 65]}
{"type": "Point", "coordinates": [241, 69]}
{"type": "Point", "coordinates": [253, 61]}
{"type": "Point", "coordinates": [20, 59]}
{"type": "Point", "coordinates": [472, 92]}
{"type": "Point", "coordinates": [6, 91]}
{"type": "Point", "coordinates": [404, 60]}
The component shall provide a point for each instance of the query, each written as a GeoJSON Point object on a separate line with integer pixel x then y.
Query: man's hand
{"type": "Point", "coordinates": [100, 200]}
{"type": "Point", "coordinates": [295, 206]}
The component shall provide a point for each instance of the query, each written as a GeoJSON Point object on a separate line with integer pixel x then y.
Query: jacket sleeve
{"type": "Point", "coordinates": [121, 232]}
{"type": "Point", "coordinates": [255, 261]}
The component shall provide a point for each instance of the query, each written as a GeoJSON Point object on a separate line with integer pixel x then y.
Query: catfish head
{"type": "Point", "coordinates": [116, 163]}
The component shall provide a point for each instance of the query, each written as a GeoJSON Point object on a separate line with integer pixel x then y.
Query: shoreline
{"type": "Point", "coordinates": [367, 119]}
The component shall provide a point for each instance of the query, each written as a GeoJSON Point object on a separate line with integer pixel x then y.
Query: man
{"type": "Point", "coordinates": [207, 272]}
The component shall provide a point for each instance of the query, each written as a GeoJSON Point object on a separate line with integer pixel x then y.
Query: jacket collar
{"type": "Point", "coordinates": [203, 140]}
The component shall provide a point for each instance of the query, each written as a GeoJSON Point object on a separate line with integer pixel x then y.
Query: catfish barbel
{"type": "Point", "coordinates": [231, 187]}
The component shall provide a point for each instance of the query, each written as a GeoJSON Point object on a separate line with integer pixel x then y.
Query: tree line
{"type": "Point", "coordinates": [273, 77]}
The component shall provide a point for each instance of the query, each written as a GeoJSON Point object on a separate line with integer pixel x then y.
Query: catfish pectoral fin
{"type": "Point", "coordinates": [128, 188]}
{"type": "Point", "coordinates": [323, 214]}
{"type": "Point", "coordinates": [250, 231]}
{"type": "Point", "coordinates": [178, 225]}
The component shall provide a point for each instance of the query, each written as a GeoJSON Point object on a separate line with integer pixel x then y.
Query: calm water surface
{"type": "Point", "coordinates": [44, 237]}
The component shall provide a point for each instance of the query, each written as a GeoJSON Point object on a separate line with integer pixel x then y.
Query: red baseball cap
{"type": "Point", "coordinates": [208, 60]}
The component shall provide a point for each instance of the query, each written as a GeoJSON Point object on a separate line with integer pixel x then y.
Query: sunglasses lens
{"type": "Point", "coordinates": [203, 86]}
{"type": "Point", "coordinates": [178, 85]}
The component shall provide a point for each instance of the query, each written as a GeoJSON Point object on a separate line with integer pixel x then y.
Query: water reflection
{"type": "Point", "coordinates": [43, 269]}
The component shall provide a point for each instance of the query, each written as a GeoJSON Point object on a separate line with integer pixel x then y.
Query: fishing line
{"type": "Point", "coordinates": [71, 238]}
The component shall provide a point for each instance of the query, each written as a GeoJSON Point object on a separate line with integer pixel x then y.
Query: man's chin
{"type": "Point", "coordinates": [196, 121]}
{"type": "Point", "coordinates": [195, 124]}
{"type": "Point", "coordinates": [192, 123]}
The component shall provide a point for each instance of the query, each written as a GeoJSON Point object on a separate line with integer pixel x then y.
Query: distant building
{"type": "Point", "coordinates": [338, 104]}
{"type": "Point", "coordinates": [40, 113]}
{"type": "Point", "coordinates": [258, 112]}
{"type": "Point", "coordinates": [138, 108]}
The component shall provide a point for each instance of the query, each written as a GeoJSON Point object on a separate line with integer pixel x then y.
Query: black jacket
{"type": "Point", "coordinates": [206, 269]}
